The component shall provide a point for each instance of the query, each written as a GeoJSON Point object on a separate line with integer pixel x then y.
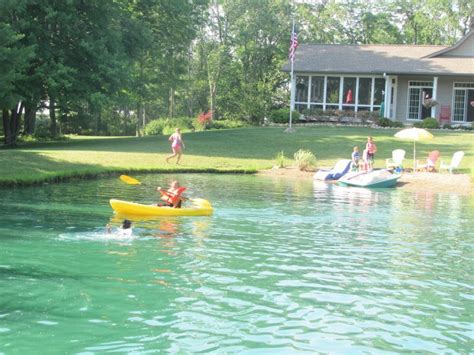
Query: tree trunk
{"type": "Point", "coordinates": [139, 109]}
{"type": "Point", "coordinates": [97, 123]}
{"type": "Point", "coordinates": [11, 124]}
{"type": "Point", "coordinates": [52, 115]}
{"type": "Point", "coordinates": [171, 103]}
{"type": "Point", "coordinates": [7, 140]}
{"type": "Point", "coordinates": [30, 119]}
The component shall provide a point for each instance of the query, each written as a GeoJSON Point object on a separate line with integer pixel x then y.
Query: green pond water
{"type": "Point", "coordinates": [281, 267]}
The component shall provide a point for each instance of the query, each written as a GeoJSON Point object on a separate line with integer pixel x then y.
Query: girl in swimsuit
{"type": "Point", "coordinates": [177, 145]}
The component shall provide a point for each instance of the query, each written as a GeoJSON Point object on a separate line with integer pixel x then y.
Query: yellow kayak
{"type": "Point", "coordinates": [200, 207]}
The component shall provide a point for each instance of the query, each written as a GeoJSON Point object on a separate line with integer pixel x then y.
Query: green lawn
{"type": "Point", "coordinates": [244, 150]}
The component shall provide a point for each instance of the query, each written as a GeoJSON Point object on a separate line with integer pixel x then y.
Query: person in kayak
{"type": "Point", "coordinates": [177, 145]}
{"type": "Point", "coordinates": [172, 196]}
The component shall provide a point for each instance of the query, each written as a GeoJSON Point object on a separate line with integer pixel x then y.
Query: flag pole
{"type": "Point", "coordinates": [292, 96]}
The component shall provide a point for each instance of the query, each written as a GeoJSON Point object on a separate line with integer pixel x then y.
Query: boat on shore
{"type": "Point", "coordinates": [371, 179]}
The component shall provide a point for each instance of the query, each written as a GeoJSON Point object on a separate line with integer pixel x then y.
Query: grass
{"type": "Point", "coordinates": [234, 150]}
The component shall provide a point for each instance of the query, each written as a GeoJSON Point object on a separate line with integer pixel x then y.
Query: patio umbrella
{"type": "Point", "coordinates": [415, 134]}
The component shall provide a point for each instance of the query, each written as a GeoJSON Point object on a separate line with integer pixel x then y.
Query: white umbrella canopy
{"type": "Point", "coordinates": [414, 134]}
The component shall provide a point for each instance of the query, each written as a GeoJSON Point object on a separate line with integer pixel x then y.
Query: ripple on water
{"type": "Point", "coordinates": [310, 268]}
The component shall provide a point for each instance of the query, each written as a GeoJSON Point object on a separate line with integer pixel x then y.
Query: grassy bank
{"type": "Point", "coordinates": [237, 150]}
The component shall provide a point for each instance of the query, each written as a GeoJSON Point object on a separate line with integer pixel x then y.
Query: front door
{"type": "Point", "coordinates": [427, 93]}
{"type": "Point", "coordinates": [470, 106]}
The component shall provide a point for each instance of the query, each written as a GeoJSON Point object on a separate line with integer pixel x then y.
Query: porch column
{"type": "Point", "coordinates": [292, 92]}
{"type": "Point", "coordinates": [388, 94]}
{"type": "Point", "coordinates": [435, 95]}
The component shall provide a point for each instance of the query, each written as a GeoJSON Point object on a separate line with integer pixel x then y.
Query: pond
{"type": "Point", "coordinates": [282, 266]}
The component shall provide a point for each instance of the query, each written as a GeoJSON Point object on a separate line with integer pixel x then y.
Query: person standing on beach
{"type": "Point", "coordinates": [177, 145]}
{"type": "Point", "coordinates": [371, 150]}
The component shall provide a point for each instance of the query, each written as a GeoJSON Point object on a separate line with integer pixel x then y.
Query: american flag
{"type": "Point", "coordinates": [293, 46]}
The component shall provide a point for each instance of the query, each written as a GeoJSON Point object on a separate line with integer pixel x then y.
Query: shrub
{"type": "Point", "coordinates": [42, 128]}
{"type": "Point", "coordinates": [283, 115]}
{"type": "Point", "coordinates": [418, 124]}
{"type": "Point", "coordinates": [168, 125]}
{"type": "Point", "coordinates": [313, 112]}
{"type": "Point", "coordinates": [280, 159]}
{"type": "Point", "coordinates": [385, 122]}
{"type": "Point", "coordinates": [33, 138]}
{"type": "Point", "coordinates": [430, 123]}
{"type": "Point", "coordinates": [223, 124]}
{"type": "Point", "coordinates": [305, 159]}
{"type": "Point", "coordinates": [205, 119]}
{"type": "Point", "coordinates": [155, 127]}
{"type": "Point", "coordinates": [447, 126]}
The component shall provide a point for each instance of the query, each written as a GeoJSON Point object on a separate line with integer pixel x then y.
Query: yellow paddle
{"type": "Point", "coordinates": [132, 181]}
{"type": "Point", "coordinates": [129, 180]}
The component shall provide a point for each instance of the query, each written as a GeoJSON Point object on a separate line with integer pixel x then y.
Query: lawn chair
{"type": "Point", "coordinates": [455, 162]}
{"type": "Point", "coordinates": [398, 155]}
{"type": "Point", "coordinates": [430, 162]}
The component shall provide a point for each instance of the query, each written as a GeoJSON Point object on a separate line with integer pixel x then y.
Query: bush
{"type": "Point", "coordinates": [42, 128]}
{"type": "Point", "coordinates": [305, 159]}
{"type": "Point", "coordinates": [418, 124]}
{"type": "Point", "coordinates": [283, 115]}
{"type": "Point", "coordinates": [430, 123]}
{"type": "Point", "coordinates": [223, 124]}
{"type": "Point", "coordinates": [168, 125]}
{"type": "Point", "coordinates": [385, 122]}
{"type": "Point", "coordinates": [280, 159]}
{"type": "Point", "coordinates": [155, 127]}
{"type": "Point", "coordinates": [33, 138]}
{"type": "Point", "coordinates": [205, 119]}
{"type": "Point", "coordinates": [447, 126]}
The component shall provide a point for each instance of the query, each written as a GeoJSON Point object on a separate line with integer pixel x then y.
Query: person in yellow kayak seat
{"type": "Point", "coordinates": [172, 196]}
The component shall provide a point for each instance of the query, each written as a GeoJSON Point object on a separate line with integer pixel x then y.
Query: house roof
{"type": "Point", "coordinates": [378, 59]}
{"type": "Point", "coordinates": [458, 44]}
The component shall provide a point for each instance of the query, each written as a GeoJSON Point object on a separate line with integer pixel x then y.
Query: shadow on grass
{"type": "Point", "coordinates": [264, 143]}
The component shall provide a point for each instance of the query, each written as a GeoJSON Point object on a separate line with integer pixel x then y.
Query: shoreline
{"type": "Point", "coordinates": [419, 182]}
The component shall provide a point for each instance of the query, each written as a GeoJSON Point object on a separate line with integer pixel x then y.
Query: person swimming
{"type": "Point", "coordinates": [125, 230]}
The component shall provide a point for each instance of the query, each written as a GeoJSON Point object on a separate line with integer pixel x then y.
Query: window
{"type": "Point", "coordinates": [337, 92]}
{"type": "Point", "coordinates": [414, 103]}
{"type": "Point", "coordinates": [459, 105]}
{"type": "Point", "coordinates": [317, 89]}
{"type": "Point", "coordinates": [365, 90]}
{"type": "Point", "coordinates": [424, 84]}
{"type": "Point", "coordinates": [379, 87]}
{"type": "Point", "coordinates": [302, 88]}
{"type": "Point", "coordinates": [464, 85]}
{"type": "Point", "coordinates": [463, 102]}
{"type": "Point", "coordinates": [349, 92]}
{"type": "Point", "coordinates": [332, 90]}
